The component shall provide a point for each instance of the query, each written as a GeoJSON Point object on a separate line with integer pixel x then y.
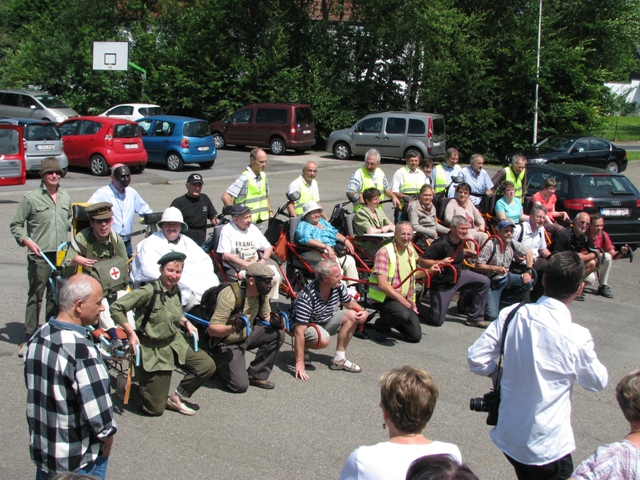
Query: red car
{"type": "Point", "coordinates": [101, 142]}
{"type": "Point", "coordinates": [13, 170]}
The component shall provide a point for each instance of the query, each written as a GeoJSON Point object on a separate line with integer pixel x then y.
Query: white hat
{"type": "Point", "coordinates": [173, 215]}
{"type": "Point", "coordinates": [310, 207]}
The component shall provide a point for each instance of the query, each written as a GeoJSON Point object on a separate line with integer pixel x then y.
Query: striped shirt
{"type": "Point", "coordinates": [613, 461]}
{"type": "Point", "coordinates": [69, 410]}
{"type": "Point", "coordinates": [310, 307]}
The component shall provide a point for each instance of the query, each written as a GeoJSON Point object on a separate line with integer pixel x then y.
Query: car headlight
{"type": "Point", "coordinates": [60, 118]}
{"type": "Point", "coordinates": [536, 161]}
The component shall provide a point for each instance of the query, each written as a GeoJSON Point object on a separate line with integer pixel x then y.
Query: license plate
{"type": "Point", "coordinates": [436, 144]}
{"type": "Point", "coordinates": [614, 212]}
{"type": "Point", "coordinates": [203, 149]}
{"type": "Point", "coordinates": [306, 132]}
{"type": "Point", "coordinates": [44, 147]}
{"type": "Point", "coordinates": [130, 146]}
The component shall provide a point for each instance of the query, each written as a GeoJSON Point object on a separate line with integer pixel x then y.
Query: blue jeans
{"type": "Point", "coordinates": [98, 468]}
{"type": "Point", "coordinates": [500, 294]}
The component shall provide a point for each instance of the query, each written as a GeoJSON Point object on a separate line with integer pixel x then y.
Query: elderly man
{"type": "Point", "coordinates": [533, 237]}
{"type": "Point", "coordinates": [394, 263]}
{"type": "Point", "coordinates": [496, 263]}
{"type": "Point", "coordinates": [515, 173]}
{"type": "Point", "coordinates": [196, 209]}
{"type": "Point", "coordinates": [307, 186]}
{"type": "Point", "coordinates": [407, 180]}
{"type": "Point", "coordinates": [197, 275]}
{"type": "Point", "coordinates": [447, 252]}
{"type": "Point", "coordinates": [125, 200]}
{"type": "Point", "coordinates": [601, 241]}
{"type": "Point", "coordinates": [231, 340]}
{"type": "Point", "coordinates": [544, 354]}
{"type": "Point", "coordinates": [100, 252]}
{"type": "Point", "coordinates": [370, 176]}
{"type": "Point", "coordinates": [46, 212]}
{"type": "Point", "coordinates": [477, 178]}
{"type": "Point", "coordinates": [422, 215]}
{"type": "Point", "coordinates": [442, 173]}
{"type": "Point", "coordinates": [69, 411]}
{"type": "Point", "coordinates": [316, 305]}
{"type": "Point", "coordinates": [242, 243]}
{"type": "Point", "coordinates": [575, 238]}
{"type": "Point", "coordinates": [252, 188]}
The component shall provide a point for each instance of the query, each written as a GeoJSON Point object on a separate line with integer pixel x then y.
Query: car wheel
{"type": "Point", "coordinates": [613, 167]}
{"type": "Point", "coordinates": [218, 140]}
{"type": "Point", "coordinates": [277, 146]}
{"type": "Point", "coordinates": [98, 165]}
{"type": "Point", "coordinates": [64, 172]}
{"type": "Point", "coordinates": [206, 164]}
{"type": "Point", "coordinates": [174, 162]}
{"type": "Point", "coordinates": [341, 150]}
{"type": "Point", "coordinates": [138, 170]}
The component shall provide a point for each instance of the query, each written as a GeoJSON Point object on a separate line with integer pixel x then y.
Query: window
{"type": "Point", "coordinates": [536, 182]}
{"type": "Point", "coordinates": [151, 111]}
{"type": "Point", "coordinates": [271, 115]}
{"type": "Point", "coordinates": [9, 142]}
{"type": "Point", "coordinates": [396, 125]}
{"type": "Point", "coordinates": [29, 102]}
{"type": "Point", "coordinates": [304, 115]}
{"type": "Point", "coordinates": [581, 145]}
{"type": "Point", "coordinates": [41, 132]}
{"type": "Point", "coordinates": [163, 129]}
{"type": "Point", "coordinates": [196, 129]}
{"type": "Point", "coordinates": [89, 127]}
{"type": "Point", "coordinates": [598, 144]}
{"type": "Point", "coordinates": [144, 126]}
{"type": "Point", "coordinates": [242, 116]}
{"type": "Point", "coordinates": [11, 99]}
{"type": "Point", "coordinates": [438, 126]}
{"type": "Point", "coordinates": [416, 127]}
{"type": "Point", "coordinates": [122, 110]}
{"type": "Point", "coordinates": [370, 125]}
{"type": "Point", "coordinates": [69, 128]}
{"type": "Point", "coordinates": [126, 130]}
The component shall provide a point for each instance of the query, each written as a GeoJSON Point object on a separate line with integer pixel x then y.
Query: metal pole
{"type": "Point", "coordinates": [535, 114]}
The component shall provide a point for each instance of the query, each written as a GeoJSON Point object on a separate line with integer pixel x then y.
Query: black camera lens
{"type": "Point", "coordinates": [477, 405]}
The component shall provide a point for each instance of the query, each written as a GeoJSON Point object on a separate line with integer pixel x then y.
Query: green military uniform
{"type": "Point", "coordinates": [162, 346]}
{"type": "Point", "coordinates": [226, 302]}
{"type": "Point", "coordinates": [47, 223]}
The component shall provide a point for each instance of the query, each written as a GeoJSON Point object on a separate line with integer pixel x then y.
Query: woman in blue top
{"type": "Point", "coordinates": [509, 206]}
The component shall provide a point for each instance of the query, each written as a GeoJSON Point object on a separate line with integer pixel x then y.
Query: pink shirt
{"type": "Point", "coordinates": [550, 204]}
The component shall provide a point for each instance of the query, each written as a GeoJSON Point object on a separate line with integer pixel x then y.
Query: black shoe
{"type": "Point", "coordinates": [580, 298]}
{"type": "Point", "coordinates": [605, 291]}
{"type": "Point", "coordinates": [266, 384]}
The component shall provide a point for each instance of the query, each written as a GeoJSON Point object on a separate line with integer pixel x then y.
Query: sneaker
{"type": "Point", "coordinates": [353, 293]}
{"type": "Point", "coordinates": [21, 349]}
{"type": "Point", "coordinates": [580, 298]}
{"type": "Point", "coordinates": [605, 291]}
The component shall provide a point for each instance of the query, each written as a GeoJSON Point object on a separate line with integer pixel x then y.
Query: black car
{"type": "Point", "coordinates": [578, 150]}
{"type": "Point", "coordinates": [587, 189]}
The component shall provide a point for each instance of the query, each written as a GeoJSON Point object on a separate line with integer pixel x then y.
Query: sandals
{"type": "Point", "coordinates": [353, 368]}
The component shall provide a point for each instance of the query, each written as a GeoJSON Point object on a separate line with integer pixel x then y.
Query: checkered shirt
{"type": "Point", "coordinates": [69, 410]}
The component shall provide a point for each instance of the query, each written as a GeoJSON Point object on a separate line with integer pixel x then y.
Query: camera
{"type": "Point", "coordinates": [488, 403]}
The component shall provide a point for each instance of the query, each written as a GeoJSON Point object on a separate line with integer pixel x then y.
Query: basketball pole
{"type": "Point", "coordinates": [144, 78]}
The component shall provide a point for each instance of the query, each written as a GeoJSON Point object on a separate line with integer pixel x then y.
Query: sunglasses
{"type": "Point", "coordinates": [264, 279]}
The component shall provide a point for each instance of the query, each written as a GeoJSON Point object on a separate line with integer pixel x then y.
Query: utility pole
{"type": "Point", "coordinates": [535, 114]}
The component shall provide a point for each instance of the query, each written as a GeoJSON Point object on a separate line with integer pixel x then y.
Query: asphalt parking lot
{"type": "Point", "coordinates": [305, 430]}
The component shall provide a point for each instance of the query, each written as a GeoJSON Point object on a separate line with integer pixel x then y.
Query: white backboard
{"type": "Point", "coordinates": [110, 55]}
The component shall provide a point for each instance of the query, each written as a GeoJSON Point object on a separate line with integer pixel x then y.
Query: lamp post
{"type": "Point", "coordinates": [535, 114]}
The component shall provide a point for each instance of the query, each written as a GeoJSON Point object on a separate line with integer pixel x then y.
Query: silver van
{"type": "Point", "coordinates": [392, 134]}
{"type": "Point", "coordinates": [37, 105]}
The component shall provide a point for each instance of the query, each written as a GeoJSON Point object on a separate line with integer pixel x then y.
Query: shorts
{"type": "Point", "coordinates": [326, 329]}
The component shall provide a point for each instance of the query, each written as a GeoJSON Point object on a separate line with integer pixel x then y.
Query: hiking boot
{"type": "Point", "coordinates": [605, 291]}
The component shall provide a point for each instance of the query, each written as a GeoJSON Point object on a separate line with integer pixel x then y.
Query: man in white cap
{"type": "Point", "coordinates": [125, 200]}
{"type": "Point", "coordinates": [196, 208]}
{"type": "Point", "coordinates": [197, 275]}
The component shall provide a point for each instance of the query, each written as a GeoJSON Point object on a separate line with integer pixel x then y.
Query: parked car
{"type": "Point", "coordinates": [133, 111]}
{"type": "Point", "coordinates": [588, 189]}
{"type": "Point", "coordinates": [392, 134]}
{"type": "Point", "coordinates": [279, 126]}
{"type": "Point", "coordinates": [578, 150]}
{"type": "Point", "coordinates": [41, 140]}
{"type": "Point", "coordinates": [38, 105]}
{"type": "Point", "coordinates": [13, 169]}
{"type": "Point", "coordinates": [174, 141]}
{"type": "Point", "coordinates": [100, 142]}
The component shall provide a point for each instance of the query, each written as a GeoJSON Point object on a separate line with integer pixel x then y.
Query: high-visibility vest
{"type": "Point", "coordinates": [517, 181]}
{"type": "Point", "coordinates": [369, 182]}
{"type": "Point", "coordinates": [443, 178]}
{"type": "Point", "coordinates": [305, 195]}
{"type": "Point", "coordinates": [256, 198]}
{"type": "Point", "coordinates": [410, 182]}
{"type": "Point", "coordinates": [374, 292]}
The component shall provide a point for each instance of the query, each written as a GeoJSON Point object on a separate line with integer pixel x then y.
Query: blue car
{"type": "Point", "coordinates": [174, 141]}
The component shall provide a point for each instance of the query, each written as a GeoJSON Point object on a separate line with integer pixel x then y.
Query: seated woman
{"type": "Point", "coordinates": [408, 398]}
{"type": "Point", "coordinates": [439, 467]}
{"type": "Point", "coordinates": [422, 215]}
{"type": "Point", "coordinates": [371, 220]}
{"type": "Point", "coordinates": [618, 459]}
{"type": "Point", "coordinates": [162, 344]}
{"type": "Point", "coordinates": [314, 231]}
{"type": "Point", "coordinates": [465, 207]}
{"type": "Point", "coordinates": [547, 198]}
{"type": "Point", "coordinates": [509, 206]}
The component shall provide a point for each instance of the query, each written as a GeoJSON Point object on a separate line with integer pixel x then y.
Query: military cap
{"type": "Point", "coordinates": [99, 211]}
{"type": "Point", "coordinates": [172, 257]}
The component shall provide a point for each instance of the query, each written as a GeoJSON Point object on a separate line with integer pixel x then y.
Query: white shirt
{"type": "Point", "coordinates": [534, 241]}
{"type": "Point", "coordinates": [242, 243]}
{"type": "Point", "coordinates": [397, 182]}
{"type": "Point", "coordinates": [544, 353]}
{"type": "Point", "coordinates": [197, 275]}
{"type": "Point", "coordinates": [313, 188]}
{"type": "Point", "coordinates": [390, 461]}
{"type": "Point", "coordinates": [125, 206]}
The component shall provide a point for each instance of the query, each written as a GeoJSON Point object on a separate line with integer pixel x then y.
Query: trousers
{"type": "Point", "coordinates": [561, 469]}
{"type": "Point", "coordinates": [38, 272]}
{"type": "Point", "coordinates": [395, 315]}
{"type": "Point", "coordinates": [440, 298]}
{"type": "Point", "coordinates": [508, 292]}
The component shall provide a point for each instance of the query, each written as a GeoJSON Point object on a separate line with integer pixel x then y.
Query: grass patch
{"type": "Point", "coordinates": [633, 155]}
{"type": "Point", "coordinates": [622, 129]}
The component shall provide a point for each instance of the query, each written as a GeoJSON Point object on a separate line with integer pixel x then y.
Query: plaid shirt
{"type": "Point", "coordinates": [68, 405]}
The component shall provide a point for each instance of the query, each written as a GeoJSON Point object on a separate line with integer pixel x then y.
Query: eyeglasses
{"type": "Point", "coordinates": [54, 173]}
{"type": "Point", "coordinates": [264, 279]}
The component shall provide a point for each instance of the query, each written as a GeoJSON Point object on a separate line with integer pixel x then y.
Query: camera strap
{"type": "Point", "coordinates": [512, 314]}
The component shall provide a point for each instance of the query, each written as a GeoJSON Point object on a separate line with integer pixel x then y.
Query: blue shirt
{"type": "Point", "coordinates": [478, 183]}
{"type": "Point", "coordinates": [512, 211]}
{"type": "Point", "coordinates": [306, 232]}
{"type": "Point", "coordinates": [125, 206]}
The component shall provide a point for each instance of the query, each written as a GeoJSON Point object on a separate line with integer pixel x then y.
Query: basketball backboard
{"type": "Point", "coordinates": [110, 55]}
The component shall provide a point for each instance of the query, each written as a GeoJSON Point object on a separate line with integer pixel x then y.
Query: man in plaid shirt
{"type": "Point", "coordinates": [69, 411]}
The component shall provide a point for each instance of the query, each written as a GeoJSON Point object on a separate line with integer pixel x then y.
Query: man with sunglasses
{"type": "Point", "coordinates": [41, 224]}
{"type": "Point", "coordinates": [126, 202]}
{"type": "Point", "coordinates": [233, 338]}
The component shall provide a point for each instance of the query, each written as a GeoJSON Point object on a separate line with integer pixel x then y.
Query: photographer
{"type": "Point", "coordinates": [543, 353]}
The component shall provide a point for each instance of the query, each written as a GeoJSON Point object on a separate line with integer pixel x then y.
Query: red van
{"type": "Point", "coordinates": [13, 167]}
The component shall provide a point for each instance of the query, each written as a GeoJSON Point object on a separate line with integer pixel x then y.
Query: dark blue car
{"type": "Point", "coordinates": [174, 141]}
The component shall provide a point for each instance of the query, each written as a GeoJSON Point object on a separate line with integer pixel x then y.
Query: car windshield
{"type": "Point", "coordinates": [50, 101]}
{"type": "Point", "coordinates": [151, 111]}
{"type": "Point", "coordinates": [196, 129]}
{"type": "Point", "coordinates": [605, 186]}
{"type": "Point", "coordinates": [126, 130]}
{"type": "Point", "coordinates": [9, 142]}
{"type": "Point", "coordinates": [36, 132]}
{"type": "Point", "coordinates": [559, 144]}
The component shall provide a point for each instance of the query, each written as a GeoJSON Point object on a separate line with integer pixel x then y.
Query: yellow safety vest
{"type": "Point", "coordinates": [410, 182]}
{"type": "Point", "coordinates": [256, 198]}
{"type": "Point", "coordinates": [441, 179]}
{"type": "Point", "coordinates": [374, 292]}
{"type": "Point", "coordinates": [517, 181]}
{"type": "Point", "coordinates": [305, 195]}
{"type": "Point", "coordinates": [369, 182]}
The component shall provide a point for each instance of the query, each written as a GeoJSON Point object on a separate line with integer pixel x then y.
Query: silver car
{"type": "Point", "coordinates": [36, 105]}
{"type": "Point", "coordinates": [393, 134]}
{"type": "Point", "coordinates": [41, 140]}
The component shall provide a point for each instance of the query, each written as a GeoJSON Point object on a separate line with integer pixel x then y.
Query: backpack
{"type": "Point", "coordinates": [339, 219]}
{"type": "Point", "coordinates": [210, 297]}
